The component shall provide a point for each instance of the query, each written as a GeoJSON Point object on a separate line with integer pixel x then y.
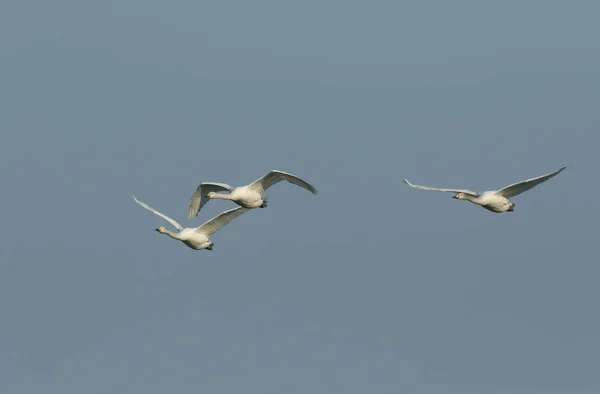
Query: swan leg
{"type": "Point", "coordinates": [511, 208]}
{"type": "Point", "coordinates": [210, 247]}
{"type": "Point", "coordinates": [264, 204]}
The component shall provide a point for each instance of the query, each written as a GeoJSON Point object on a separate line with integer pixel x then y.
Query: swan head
{"type": "Point", "coordinates": [210, 194]}
{"type": "Point", "coordinates": [459, 196]}
{"type": "Point", "coordinates": [161, 229]}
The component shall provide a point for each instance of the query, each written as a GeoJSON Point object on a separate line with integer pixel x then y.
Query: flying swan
{"type": "Point", "coordinates": [196, 238]}
{"type": "Point", "coordinates": [248, 196]}
{"type": "Point", "coordinates": [494, 200]}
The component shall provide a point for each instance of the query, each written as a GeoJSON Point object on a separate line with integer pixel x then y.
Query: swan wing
{"type": "Point", "coordinates": [475, 194]}
{"type": "Point", "coordinates": [520, 187]}
{"type": "Point", "coordinates": [199, 198]}
{"type": "Point", "coordinates": [275, 176]}
{"type": "Point", "coordinates": [162, 215]}
{"type": "Point", "coordinates": [219, 221]}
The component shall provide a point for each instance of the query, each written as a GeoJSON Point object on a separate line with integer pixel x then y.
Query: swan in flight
{"type": "Point", "coordinates": [248, 196]}
{"type": "Point", "coordinates": [196, 238]}
{"type": "Point", "coordinates": [494, 200]}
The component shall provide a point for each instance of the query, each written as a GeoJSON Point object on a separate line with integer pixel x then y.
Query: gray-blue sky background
{"type": "Point", "coordinates": [368, 287]}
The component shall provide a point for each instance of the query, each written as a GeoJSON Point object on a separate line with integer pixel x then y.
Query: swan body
{"type": "Point", "coordinates": [196, 238]}
{"type": "Point", "coordinates": [248, 196]}
{"type": "Point", "coordinates": [494, 200]}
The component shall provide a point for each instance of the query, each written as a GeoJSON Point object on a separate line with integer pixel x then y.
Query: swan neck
{"type": "Point", "coordinates": [222, 196]}
{"type": "Point", "coordinates": [474, 199]}
{"type": "Point", "coordinates": [173, 234]}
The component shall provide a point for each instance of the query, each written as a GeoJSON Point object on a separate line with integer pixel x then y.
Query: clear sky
{"type": "Point", "coordinates": [369, 287]}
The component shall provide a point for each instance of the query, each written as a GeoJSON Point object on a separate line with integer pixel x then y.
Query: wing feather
{"type": "Point", "coordinates": [199, 198]}
{"type": "Point", "coordinates": [275, 176]}
{"type": "Point", "coordinates": [162, 215]}
{"type": "Point", "coordinates": [219, 221]}
{"type": "Point", "coordinates": [475, 194]}
{"type": "Point", "coordinates": [517, 188]}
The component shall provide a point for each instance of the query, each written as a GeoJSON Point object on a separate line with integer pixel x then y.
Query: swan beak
{"type": "Point", "coordinates": [157, 229]}
{"type": "Point", "coordinates": [455, 197]}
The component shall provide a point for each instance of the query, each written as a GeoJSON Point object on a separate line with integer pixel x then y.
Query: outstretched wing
{"type": "Point", "coordinates": [216, 223]}
{"type": "Point", "coordinates": [520, 187]}
{"type": "Point", "coordinates": [199, 198]}
{"type": "Point", "coordinates": [162, 215]}
{"type": "Point", "coordinates": [475, 194]}
{"type": "Point", "coordinates": [275, 176]}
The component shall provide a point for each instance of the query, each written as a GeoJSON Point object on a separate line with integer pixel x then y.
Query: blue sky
{"type": "Point", "coordinates": [369, 286]}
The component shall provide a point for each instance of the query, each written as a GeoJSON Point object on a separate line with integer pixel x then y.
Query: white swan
{"type": "Point", "coordinates": [494, 200]}
{"type": "Point", "coordinates": [248, 196]}
{"type": "Point", "coordinates": [196, 238]}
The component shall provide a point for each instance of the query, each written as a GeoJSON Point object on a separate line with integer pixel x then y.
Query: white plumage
{"type": "Point", "coordinates": [248, 196]}
{"type": "Point", "coordinates": [196, 238]}
{"type": "Point", "coordinates": [494, 200]}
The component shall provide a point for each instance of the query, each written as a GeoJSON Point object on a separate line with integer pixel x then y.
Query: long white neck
{"type": "Point", "coordinates": [172, 234]}
{"type": "Point", "coordinates": [473, 199]}
{"type": "Point", "coordinates": [222, 196]}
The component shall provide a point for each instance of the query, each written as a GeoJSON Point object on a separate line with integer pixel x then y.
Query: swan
{"type": "Point", "coordinates": [248, 196]}
{"type": "Point", "coordinates": [494, 200]}
{"type": "Point", "coordinates": [196, 238]}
